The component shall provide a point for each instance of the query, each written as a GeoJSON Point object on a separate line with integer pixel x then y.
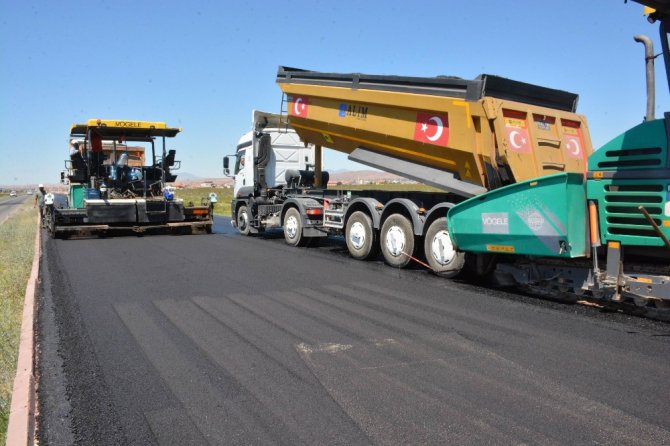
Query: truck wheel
{"type": "Point", "coordinates": [440, 252]}
{"type": "Point", "coordinates": [397, 241]}
{"type": "Point", "coordinates": [361, 237]}
{"type": "Point", "coordinates": [293, 228]}
{"type": "Point", "coordinates": [243, 221]}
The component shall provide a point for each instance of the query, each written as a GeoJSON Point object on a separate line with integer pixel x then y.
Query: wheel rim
{"type": "Point", "coordinates": [442, 249]}
{"type": "Point", "coordinates": [243, 221]}
{"type": "Point", "coordinates": [357, 235]}
{"type": "Point", "coordinates": [291, 226]}
{"type": "Point", "coordinates": [395, 241]}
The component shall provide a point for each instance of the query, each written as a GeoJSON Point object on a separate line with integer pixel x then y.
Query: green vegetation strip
{"type": "Point", "coordinates": [17, 245]}
{"type": "Point", "coordinates": [195, 195]}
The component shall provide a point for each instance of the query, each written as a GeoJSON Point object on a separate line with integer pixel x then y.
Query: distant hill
{"type": "Point", "coordinates": [364, 176]}
{"type": "Point", "coordinates": [188, 176]}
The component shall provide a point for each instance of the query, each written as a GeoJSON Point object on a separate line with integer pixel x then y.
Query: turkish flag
{"type": "Point", "coordinates": [518, 138]}
{"type": "Point", "coordinates": [432, 128]}
{"type": "Point", "coordinates": [573, 145]}
{"type": "Point", "coordinates": [298, 106]}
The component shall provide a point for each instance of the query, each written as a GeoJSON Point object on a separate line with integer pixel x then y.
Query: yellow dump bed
{"type": "Point", "coordinates": [465, 136]}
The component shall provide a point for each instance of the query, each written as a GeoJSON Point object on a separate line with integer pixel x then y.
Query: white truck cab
{"type": "Point", "coordinates": [287, 152]}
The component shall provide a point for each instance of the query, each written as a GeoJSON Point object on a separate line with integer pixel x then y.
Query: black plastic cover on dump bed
{"type": "Point", "coordinates": [471, 90]}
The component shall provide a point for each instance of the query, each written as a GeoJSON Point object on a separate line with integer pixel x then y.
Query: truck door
{"type": "Point", "coordinates": [244, 175]}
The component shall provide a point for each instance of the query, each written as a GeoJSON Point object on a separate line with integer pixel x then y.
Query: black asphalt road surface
{"type": "Point", "coordinates": [223, 339]}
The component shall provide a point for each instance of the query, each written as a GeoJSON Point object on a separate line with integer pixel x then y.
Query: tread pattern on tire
{"type": "Point", "coordinates": [299, 239]}
{"type": "Point", "coordinates": [371, 248]}
{"type": "Point", "coordinates": [240, 210]}
{"type": "Point", "coordinates": [453, 268]}
{"type": "Point", "coordinates": [402, 260]}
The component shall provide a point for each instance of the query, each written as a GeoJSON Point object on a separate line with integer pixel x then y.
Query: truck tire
{"type": "Point", "coordinates": [397, 241]}
{"type": "Point", "coordinates": [361, 237]}
{"type": "Point", "coordinates": [243, 220]}
{"type": "Point", "coordinates": [293, 228]}
{"type": "Point", "coordinates": [440, 252]}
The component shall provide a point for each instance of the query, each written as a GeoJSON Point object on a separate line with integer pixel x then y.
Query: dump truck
{"type": "Point", "coordinates": [117, 175]}
{"type": "Point", "coordinates": [523, 198]}
{"type": "Point", "coordinates": [463, 137]}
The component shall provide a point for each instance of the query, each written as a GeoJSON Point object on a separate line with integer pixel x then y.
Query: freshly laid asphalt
{"type": "Point", "coordinates": [224, 339]}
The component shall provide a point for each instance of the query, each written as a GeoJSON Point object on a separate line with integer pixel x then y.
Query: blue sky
{"type": "Point", "coordinates": [204, 65]}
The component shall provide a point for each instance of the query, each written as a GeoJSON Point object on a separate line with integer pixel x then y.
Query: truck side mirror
{"type": "Point", "coordinates": [226, 168]}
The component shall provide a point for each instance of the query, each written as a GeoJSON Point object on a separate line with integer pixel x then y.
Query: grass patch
{"type": "Point", "coordinates": [17, 246]}
{"type": "Point", "coordinates": [222, 207]}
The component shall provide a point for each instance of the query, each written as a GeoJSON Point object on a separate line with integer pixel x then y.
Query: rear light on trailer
{"type": "Point", "coordinates": [314, 211]}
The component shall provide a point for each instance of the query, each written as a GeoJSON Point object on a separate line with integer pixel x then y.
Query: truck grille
{"type": "Point", "coordinates": [622, 215]}
{"type": "Point", "coordinates": [632, 158]}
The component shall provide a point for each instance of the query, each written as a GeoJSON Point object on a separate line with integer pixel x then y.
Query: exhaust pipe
{"type": "Point", "coordinates": [649, 62]}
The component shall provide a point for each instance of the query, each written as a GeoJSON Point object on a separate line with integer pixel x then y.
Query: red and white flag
{"type": "Point", "coordinates": [573, 145]}
{"type": "Point", "coordinates": [432, 128]}
{"type": "Point", "coordinates": [519, 140]}
{"type": "Point", "coordinates": [298, 106]}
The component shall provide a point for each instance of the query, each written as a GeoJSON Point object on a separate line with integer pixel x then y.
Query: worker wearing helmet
{"type": "Point", "coordinates": [39, 200]}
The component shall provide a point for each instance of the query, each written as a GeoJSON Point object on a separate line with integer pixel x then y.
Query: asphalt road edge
{"type": "Point", "coordinates": [21, 426]}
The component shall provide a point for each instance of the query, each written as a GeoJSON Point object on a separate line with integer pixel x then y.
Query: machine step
{"type": "Point", "coordinates": [333, 219]}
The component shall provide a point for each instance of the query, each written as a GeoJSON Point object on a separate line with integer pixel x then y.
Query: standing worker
{"type": "Point", "coordinates": [39, 199]}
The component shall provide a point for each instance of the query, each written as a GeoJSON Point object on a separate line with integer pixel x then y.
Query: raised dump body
{"type": "Point", "coordinates": [463, 136]}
